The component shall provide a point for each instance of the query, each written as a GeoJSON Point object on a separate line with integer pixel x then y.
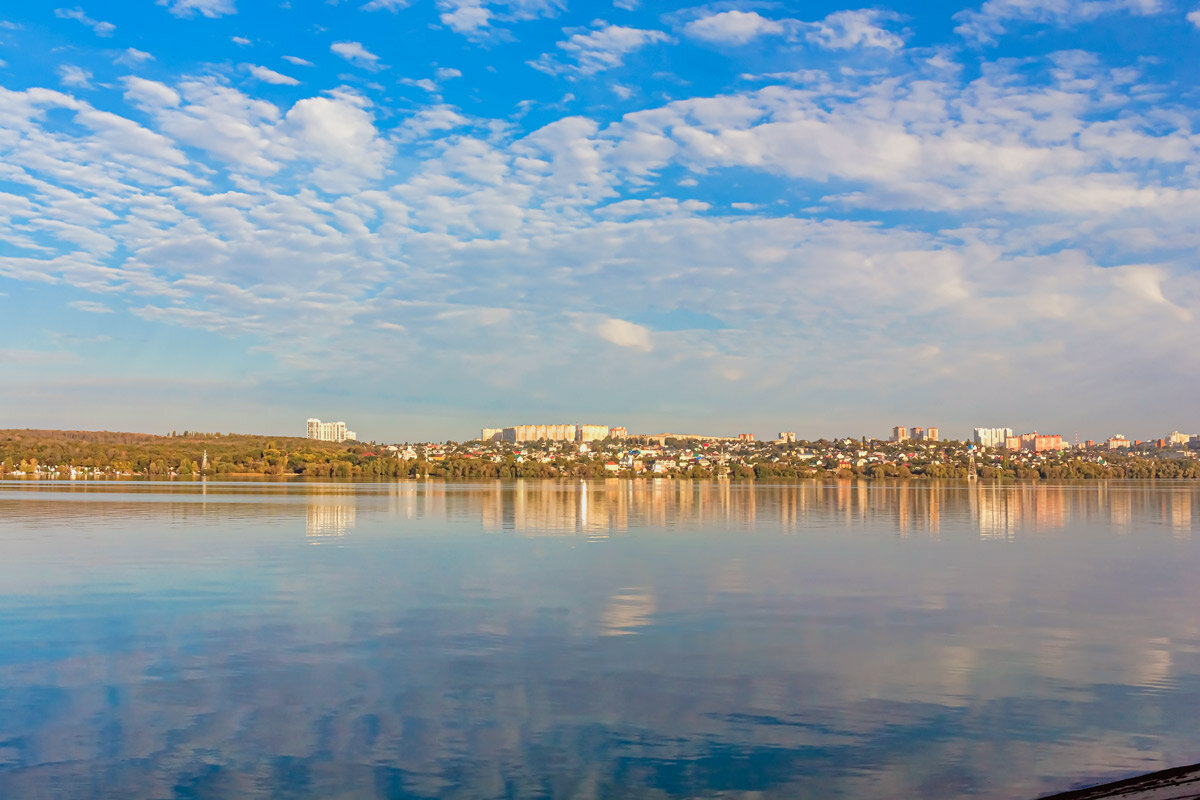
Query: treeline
{"type": "Point", "coordinates": [147, 454]}
{"type": "Point", "coordinates": [475, 468]}
{"type": "Point", "coordinates": [1133, 467]}
{"type": "Point", "coordinates": [118, 453]}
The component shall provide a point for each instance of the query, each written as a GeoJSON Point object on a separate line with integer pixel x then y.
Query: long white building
{"type": "Point", "coordinates": [554, 433]}
{"type": "Point", "coordinates": [329, 431]}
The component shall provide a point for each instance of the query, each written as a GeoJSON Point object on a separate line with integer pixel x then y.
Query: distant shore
{"type": "Point", "coordinates": [53, 454]}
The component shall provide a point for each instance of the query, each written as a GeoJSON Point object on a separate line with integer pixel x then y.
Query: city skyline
{"type": "Point", "coordinates": [997, 437]}
{"type": "Point", "coordinates": [680, 216]}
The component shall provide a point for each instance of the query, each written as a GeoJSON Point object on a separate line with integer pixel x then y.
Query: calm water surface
{"type": "Point", "coordinates": [616, 639]}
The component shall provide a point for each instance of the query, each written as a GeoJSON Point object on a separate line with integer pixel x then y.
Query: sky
{"type": "Point", "coordinates": [428, 216]}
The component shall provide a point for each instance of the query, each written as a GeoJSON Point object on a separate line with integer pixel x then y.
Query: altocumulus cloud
{"type": "Point", "coordinates": [603, 48]}
{"type": "Point", "coordinates": [933, 222]}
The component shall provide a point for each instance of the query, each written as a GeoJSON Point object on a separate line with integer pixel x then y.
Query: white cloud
{"type": "Point", "coordinates": [98, 27]}
{"type": "Point", "coordinates": [843, 30]}
{"type": "Point", "coordinates": [430, 120]}
{"type": "Point", "coordinates": [90, 307]}
{"type": "Point", "coordinates": [133, 57]}
{"type": "Point", "coordinates": [339, 135]}
{"type": "Point", "coordinates": [732, 27]}
{"type": "Point", "coordinates": [356, 54]}
{"type": "Point", "coordinates": [475, 18]}
{"type": "Point", "coordinates": [205, 8]}
{"type": "Point", "coordinates": [270, 76]}
{"type": "Point", "coordinates": [477, 316]}
{"type": "Point", "coordinates": [385, 5]}
{"type": "Point", "coordinates": [1194, 17]}
{"type": "Point", "coordinates": [993, 17]}
{"type": "Point", "coordinates": [447, 73]}
{"type": "Point", "coordinates": [625, 334]}
{"type": "Point", "coordinates": [149, 95]}
{"type": "Point", "coordinates": [602, 48]}
{"type": "Point", "coordinates": [71, 75]}
{"type": "Point", "coordinates": [1145, 283]}
{"type": "Point", "coordinates": [241, 41]}
{"type": "Point", "coordinates": [424, 83]}
{"type": "Point", "coordinates": [222, 121]}
{"type": "Point", "coordinates": [299, 62]}
{"type": "Point", "coordinates": [466, 17]}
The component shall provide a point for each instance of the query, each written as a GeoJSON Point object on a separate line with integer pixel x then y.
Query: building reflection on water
{"type": "Point", "coordinates": [598, 509]}
{"type": "Point", "coordinates": [329, 519]}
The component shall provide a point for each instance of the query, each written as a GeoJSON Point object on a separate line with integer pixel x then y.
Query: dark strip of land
{"type": "Point", "coordinates": [1177, 783]}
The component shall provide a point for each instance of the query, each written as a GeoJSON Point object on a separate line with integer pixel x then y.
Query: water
{"type": "Point", "coordinates": [617, 639]}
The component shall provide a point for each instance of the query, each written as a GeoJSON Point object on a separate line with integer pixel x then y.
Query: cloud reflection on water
{"type": "Point", "coordinates": [849, 640]}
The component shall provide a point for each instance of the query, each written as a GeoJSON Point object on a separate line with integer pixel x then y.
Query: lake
{"type": "Point", "coordinates": [615, 639]}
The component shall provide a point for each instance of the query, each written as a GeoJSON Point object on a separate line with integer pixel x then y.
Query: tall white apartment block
{"type": "Point", "coordinates": [329, 431]}
{"type": "Point", "coordinates": [992, 437]}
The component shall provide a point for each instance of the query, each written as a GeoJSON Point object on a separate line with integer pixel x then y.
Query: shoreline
{"type": "Point", "coordinates": [1175, 783]}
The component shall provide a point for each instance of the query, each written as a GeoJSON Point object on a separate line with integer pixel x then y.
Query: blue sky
{"type": "Point", "coordinates": [425, 217]}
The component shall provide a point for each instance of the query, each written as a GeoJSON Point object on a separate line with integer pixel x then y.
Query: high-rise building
{"type": "Point", "coordinates": [1117, 442]}
{"type": "Point", "coordinates": [992, 437]}
{"type": "Point", "coordinates": [787, 437]}
{"type": "Point", "coordinates": [900, 433]}
{"type": "Point", "coordinates": [329, 431]}
{"type": "Point", "coordinates": [619, 432]}
{"type": "Point", "coordinates": [1035, 442]}
{"type": "Point", "coordinates": [745, 437]}
{"type": "Point", "coordinates": [933, 435]}
{"type": "Point", "coordinates": [1179, 438]}
{"type": "Point", "coordinates": [491, 434]}
{"type": "Point", "coordinates": [1049, 441]}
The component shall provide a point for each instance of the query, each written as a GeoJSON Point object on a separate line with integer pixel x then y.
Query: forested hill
{"type": "Point", "coordinates": [28, 450]}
